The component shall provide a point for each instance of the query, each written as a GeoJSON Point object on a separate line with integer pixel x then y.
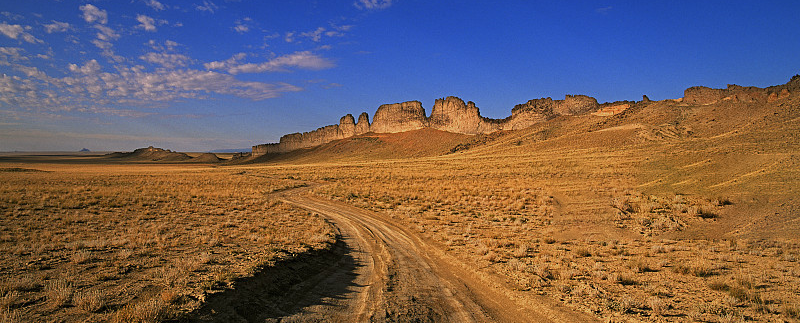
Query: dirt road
{"type": "Point", "coordinates": [380, 271]}
{"type": "Point", "coordinates": [401, 277]}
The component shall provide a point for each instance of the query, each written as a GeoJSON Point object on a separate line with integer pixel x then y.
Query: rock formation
{"type": "Point", "coordinates": [453, 115]}
{"type": "Point", "coordinates": [701, 95]}
{"type": "Point", "coordinates": [151, 154]}
{"type": "Point", "coordinates": [362, 126]}
{"type": "Point", "coordinates": [399, 117]}
{"type": "Point", "coordinates": [448, 114]}
{"type": "Point", "coordinates": [347, 126]}
{"type": "Point", "coordinates": [612, 110]}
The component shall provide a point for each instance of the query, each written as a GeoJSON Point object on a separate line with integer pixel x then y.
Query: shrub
{"type": "Point", "coordinates": [59, 292]}
{"type": "Point", "coordinates": [718, 285]}
{"type": "Point", "coordinates": [657, 305]}
{"type": "Point", "coordinates": [696, 268]}
{"type": "Point", "coordinates": [791, 310]}
{"type": "Point", "coordinates": [90, 301]}
{"type": "Point", "coordinates": [150, 311]}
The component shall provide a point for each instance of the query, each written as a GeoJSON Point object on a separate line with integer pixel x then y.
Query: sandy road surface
{"type": "Point", "coordinates": [397, 276]}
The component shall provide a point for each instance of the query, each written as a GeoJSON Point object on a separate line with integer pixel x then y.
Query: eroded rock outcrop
{"type": "Point", "coordinates": [399, 117]}
{"type": "Point", "coordinates": [362, 126]}
{"type": "Point", "coordinates": [453, 115]}
{"type": "Point", "coordinates": [448, 114]}
{"type": "Point", "coordinates": [347, 126]}
{"type": "Point", "coordinates": [701, 95]}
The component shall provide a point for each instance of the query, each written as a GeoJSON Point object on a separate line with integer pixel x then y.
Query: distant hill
{"type": "Point", "coordinates": [162, 155]}
{"type": "Point", "coordinates": [231, 150]}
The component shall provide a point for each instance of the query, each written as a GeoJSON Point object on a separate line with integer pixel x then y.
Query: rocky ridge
{"type": "Point", "coordinates": [452, 114]}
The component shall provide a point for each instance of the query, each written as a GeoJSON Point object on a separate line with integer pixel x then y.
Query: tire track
{"type": "Point", "coordinates": [403, 278]}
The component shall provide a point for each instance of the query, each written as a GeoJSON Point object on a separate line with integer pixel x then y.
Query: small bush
{"type": "Point", "coordinates": [59, 292]}
{"type": "Point", "coordinates": [697, 268]}
{"type": "Point", "coordinates": [150, 311]}
{"type": "Point", "coordinates": [791, 310]}
{"type": "Point", "coordinates": [657, 305]}
{"type": "Point", "coordinates": [640, 266]}
{"type": "Point", "coordinates": [583, 252]}
{"type": "Point", "coordinates": [90, 301]}
{"type": "Point", "coordinates": [626, 279]}
{"type": "Point", "coordinates": [10, 316]}
{"type": "Point", "coordinates": [719, 285]}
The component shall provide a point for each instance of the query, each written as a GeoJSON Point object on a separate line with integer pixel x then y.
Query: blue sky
{"type": "Point", "coordinates": [209, 74]}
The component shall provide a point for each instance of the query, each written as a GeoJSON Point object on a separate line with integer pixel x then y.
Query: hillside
{"type": "Point", "coordinates": [605, 211]}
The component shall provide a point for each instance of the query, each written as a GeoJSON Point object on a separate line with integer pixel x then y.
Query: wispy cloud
{"type": "Point", "coordinates": [91, 89]}
{"type": "Point", "coordinates": [18, 32]}
{"type": "Point", "coordinates": [316, 35]}
{"type": "Point", "coordinates": [303, 60]}
{"type": "Point", "coordinates": [158, 6]}
{"type": "Point", "coordinates": [242, 25]}
{"type": "Point", "coordinates": [146, 23]}
{"type": "Point", "coordinates": [603, 10]}
{"type": "Point", "coordinates": [57, 26]}
{"type": "Point", "coordinates": [373, 4]}
{"type": "Point", "coordinates": [166, 59]}
{"type": "Point", "coordinates": [93, 14]}
{"type": "Point", "coordinates": [207, 6]}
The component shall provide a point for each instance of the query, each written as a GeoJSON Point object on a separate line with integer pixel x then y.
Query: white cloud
{"type": "Point", "coordinates": [207, 6]}
{"type": "Point", "coordinates": [89, 68]}
{"type": "Point", "coordinates": [228, 63]}
{"type": "Point", "coordinates": [90, 89]}
{"type": "Point", "coordinates": [289, 37]}
{"type": "Point", "coordinates": [105, 33]}
{"type": "Point", "coordinates": [373, 4]}
{"type": "Point", "coordinates": [93, 14]}
{"type": "Point", "coordinates": [158, 6]}
{"type": "Point", "coordinates": [57, 26]}
{"type": "Point", "coordinates": [17, 31]}
{"type": "Point", "coordinates": [603, 10]}
{"type": "Point", "coordinates": [315, 35]}
{"type": "Point", "coordinates": [241, 28]}
{"type": "Point", "coordinates": [303, 60]}
{"type": "Point", "coordinates": [146, 23]}
{"type": "Point", "coordinates": [166, 59]}
{"type": "Point", "coordinates": [12, 53]}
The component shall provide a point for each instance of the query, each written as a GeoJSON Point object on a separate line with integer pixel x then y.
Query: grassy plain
{"type": "Point", "coordinates": [137, 242]}
{"type": "Point", "coordinates": [668, 212]}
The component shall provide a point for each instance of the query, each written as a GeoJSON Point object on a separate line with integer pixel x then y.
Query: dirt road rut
{"type": "Point", "coordinates": [379, 271]}
{"type": "Point", "coordinates": [400, 277]}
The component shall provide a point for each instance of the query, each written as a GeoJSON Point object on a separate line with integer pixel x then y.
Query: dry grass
{"type": "Point", "coordinates": [82, 242]}
{"type": "Point", "coordinates": [632, 225]}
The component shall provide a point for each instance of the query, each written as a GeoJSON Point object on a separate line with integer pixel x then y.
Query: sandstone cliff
{"type": "Point", "coordinates": [702, 95]}
{"type": "Point", "coordinates": [347, 126]}
{"type": "Point", "coordinates": [453, 115]}
{"type": "Point", "coordinates": [539, 110]}
{"type": "Point", "coordinates": [448, 114]}
{"type": "Point", "coordinates": [399, 117]}
{"type": "Point", "coordinates": [362, 126]}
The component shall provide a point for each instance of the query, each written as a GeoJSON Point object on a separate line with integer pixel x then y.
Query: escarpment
{"type": "Point", "coordinates": [702, 95]}
{"type": "Point", "coordinates": [454, 115]}
{"type": "Point", "coordinates": [399, 117]}
{"type": "Point", "coordinates": [448, 114]}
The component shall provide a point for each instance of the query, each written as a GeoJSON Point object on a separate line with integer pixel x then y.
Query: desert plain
{"type": "Point", "coordinates": [650, 211]}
